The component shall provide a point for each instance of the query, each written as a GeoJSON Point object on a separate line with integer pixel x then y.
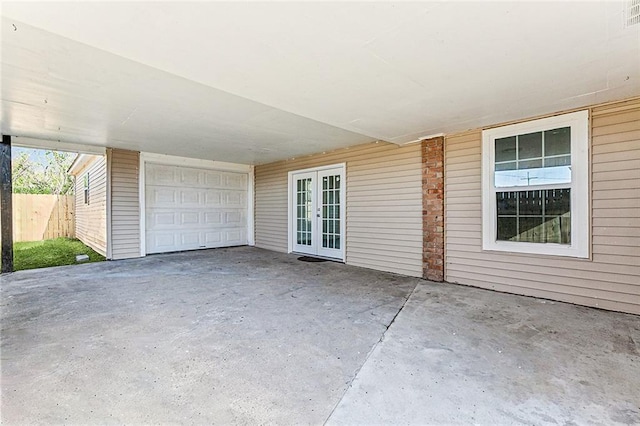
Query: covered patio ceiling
{"type": "Point", "coordinates": [258, 82]}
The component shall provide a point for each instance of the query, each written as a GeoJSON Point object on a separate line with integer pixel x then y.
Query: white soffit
{"type": "Point", "coordinates": [60, 91]}
{"type": "Point", "coordinates": [390, 71]}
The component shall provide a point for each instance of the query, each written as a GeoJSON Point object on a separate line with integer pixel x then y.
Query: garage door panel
{"type": "Point", "coordinates": [213, 198]}
{"type": "Point", "coordinates": [188, 219]}
{"type": "Point", "coordinates": [190, 239]}
{"type": "Point", "coordinates": [191, 219]}
{"type": "Point", "coordinates": [159, 196]}
{"type": "Point", "coordinates": [213, 218]}
{"type": "Point", "coordinates": [213, 238]}
{"type": "Point", "coordinates": [161, 175]}
{"type": "Point", "coordinates": [188, 209]}
{"type": "Point", "coordinates": [160, 219]}
{"type": "Point", "coordinates": [171, 241]}
{"type": "Point", "coordinates": [190, 197]}
{"type": "Point", "coordinates": [190, 177]}
{"type": "Point", "coordinates": [235, 218]}
{"type": "Point", "coordinates": [235, 181]}
{"type": "Point", "coordinates": [234, 236]}
{"type": "Point", "coordinates": [163, 241]}
{"type": "Point", "coordinates": [213, 179]}
{"type": "Point", "coordinates": [235, 199]}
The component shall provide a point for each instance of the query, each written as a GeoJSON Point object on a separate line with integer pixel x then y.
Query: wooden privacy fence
{"type": "Point", "coordinates": [41, 217]}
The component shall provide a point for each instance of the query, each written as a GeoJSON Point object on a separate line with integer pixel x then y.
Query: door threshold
{"type": "Point", "coordinates": [315, 256]}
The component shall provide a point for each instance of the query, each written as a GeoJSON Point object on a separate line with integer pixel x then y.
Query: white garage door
{"type": "Point", "coordinates": [189, 208]}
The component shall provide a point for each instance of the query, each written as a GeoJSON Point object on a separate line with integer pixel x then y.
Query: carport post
{"type": "Point", "coordinates": [6, 208]}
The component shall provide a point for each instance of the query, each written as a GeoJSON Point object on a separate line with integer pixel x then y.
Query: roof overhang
{"type": "Point", "coordinates": [80, 163]}
{"type": "Point", "coordinates": [257, 82]}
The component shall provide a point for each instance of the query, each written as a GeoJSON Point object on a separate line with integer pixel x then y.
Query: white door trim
{"type": "Point", "coordinates": [317, 169]}
{"type": "Point", "coordinates": [331, 252]}
{"type": "Point", "coordinates": [343, 204]}
{"type": "Point", "coordinates": [171, 160]}
{"type": "Point", "coordinates": [299, 248]}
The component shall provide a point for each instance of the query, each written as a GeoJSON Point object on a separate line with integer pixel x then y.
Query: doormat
{"type": "Point", "coordinates": [311, 259]}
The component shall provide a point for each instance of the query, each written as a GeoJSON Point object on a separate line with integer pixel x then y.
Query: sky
{"type": "Point", "coordinates": [35, 155]}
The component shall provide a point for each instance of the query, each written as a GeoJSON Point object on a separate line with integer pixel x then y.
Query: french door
{"type": "Point", "coordinates": [317, 212]}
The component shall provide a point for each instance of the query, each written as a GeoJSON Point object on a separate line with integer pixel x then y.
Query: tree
{"type": "Point", "coordinates": [27, 175]}
{"type": "Point", "coordinates": [56, 174]}
{"type": "Point", "coordinates": [48, 176]}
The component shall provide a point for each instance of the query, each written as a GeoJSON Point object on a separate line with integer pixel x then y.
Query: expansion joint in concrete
{"type": "Point", "coordinates": [371, 351]}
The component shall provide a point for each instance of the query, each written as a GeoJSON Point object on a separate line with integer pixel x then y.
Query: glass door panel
{"type": "Point", "coordinates": [304, 212]}
{"type": "Point", "coordinates": [318, 209]}
{"type": "Point", "coordinates": [330, 187]}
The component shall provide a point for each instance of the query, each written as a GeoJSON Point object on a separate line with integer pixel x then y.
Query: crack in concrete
{"type": "Point", "coordinates": [373, 348]}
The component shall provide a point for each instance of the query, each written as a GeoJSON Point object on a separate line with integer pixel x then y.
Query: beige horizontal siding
{"type": "Point", "coordinates": [611, 278]}
{"type": "Point", "coordinates": [384, 205]}
{"type": "Point", "coordinates": [91, 219]}
{"type": "Point", "coordinates": [125, 203]}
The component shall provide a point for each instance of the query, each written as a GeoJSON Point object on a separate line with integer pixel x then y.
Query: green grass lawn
{"type": "Point", "coordinates": [56, 252]}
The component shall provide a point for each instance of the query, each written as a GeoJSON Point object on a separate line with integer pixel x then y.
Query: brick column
{"type": "Point", "coordinates": [433, 209]}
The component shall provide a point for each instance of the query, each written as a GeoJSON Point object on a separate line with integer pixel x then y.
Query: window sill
{"type": "Point", "coordinates": [543, 249]}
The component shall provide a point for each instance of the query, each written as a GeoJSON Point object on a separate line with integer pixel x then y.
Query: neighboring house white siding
{"type": "Point", "coordinates": [124, 203]}
{"type": "Point", "coordinates": [91, 217]}
{"type": "Point", "coordinates": [383, 202]}
{"type": "Point", "coordinates": [611, 279]}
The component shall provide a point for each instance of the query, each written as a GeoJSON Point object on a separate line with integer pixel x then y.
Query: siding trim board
{"type": "Point", "coordinates": [610, 279]}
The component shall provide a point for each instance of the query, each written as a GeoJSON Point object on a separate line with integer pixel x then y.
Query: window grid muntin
{"type": "Point", "coordinates": [522, 189]}
{"type": "Point", "coordinates": [546, 219]}
{"type": "Point", "coordinates": [543, 156]}
{"type": "Point", "coordinates": [331, 212]}
{"type": "Point", "coordinates": [539, 169]}
{"type": "Point", "coordinates": [304, 211]}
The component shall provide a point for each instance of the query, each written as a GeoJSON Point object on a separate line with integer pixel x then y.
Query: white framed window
{"type": "Point", "coordinates": [535, 186]}
{"type": "Point", "coordinates": [86, 188]}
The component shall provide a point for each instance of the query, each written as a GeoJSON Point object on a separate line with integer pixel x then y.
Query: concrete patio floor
{"type": "Point", "coordinates": [249, 336]}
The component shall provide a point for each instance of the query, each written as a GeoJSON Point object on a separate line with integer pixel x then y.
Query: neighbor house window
{"type": "Point", "coordinates": [86, 188]}
{"type": "Point", "coordinates": [535, 196]}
